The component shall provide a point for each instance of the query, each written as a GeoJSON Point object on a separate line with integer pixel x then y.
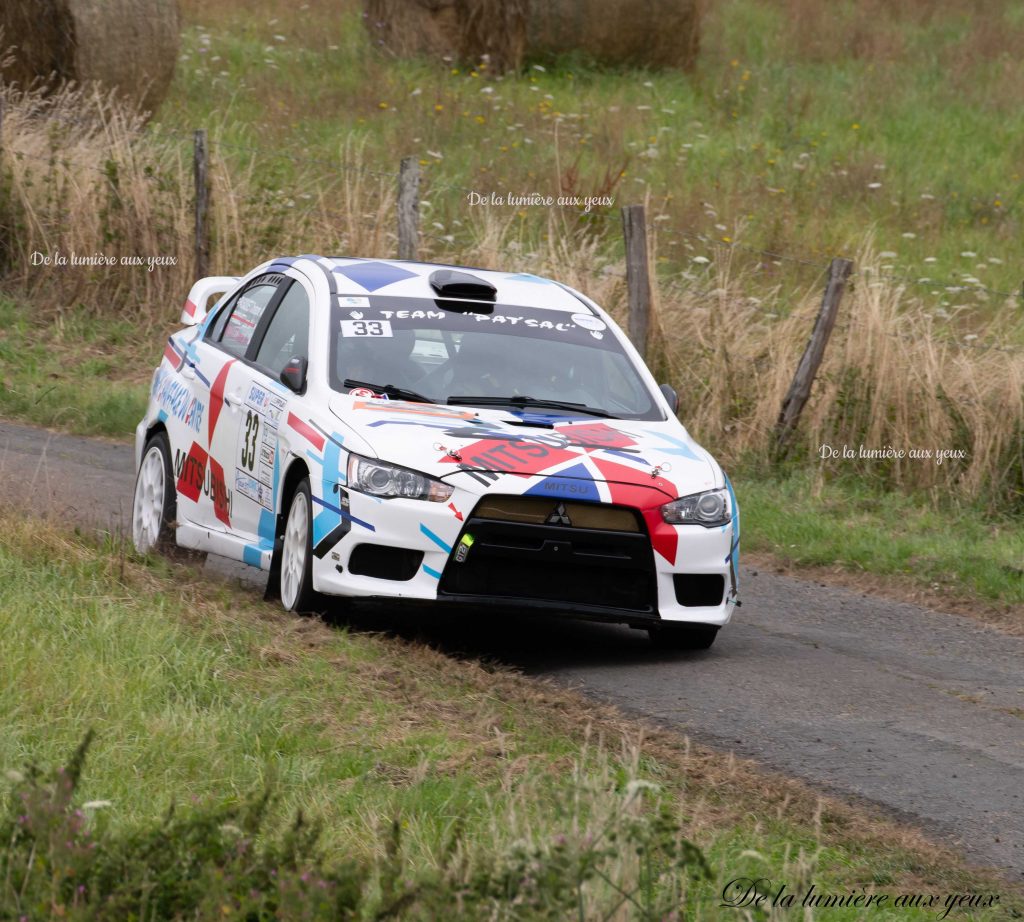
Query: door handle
{"type": "Point", "coordinates": [188, 370]}
{"type": "Point", "coordinates": [234, 401]}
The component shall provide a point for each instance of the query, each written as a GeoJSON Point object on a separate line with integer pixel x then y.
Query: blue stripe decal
{"type": "Point", "coordinates": [252, 555]}
{"type": "Point", "coordinates": [201, 376]}
{"type": "Point", "coordinates": [162, 416]}
{"type": "Point", "coordinates": [265, 528]}
{"type": "Point", "coordinates": [437, 539]}
{"type": "Point", "coordinates": [430, 571]}
{"type": "Point", "coordinates": [343, 514]}
{"type": "Point", "coordinates": [734, 550]}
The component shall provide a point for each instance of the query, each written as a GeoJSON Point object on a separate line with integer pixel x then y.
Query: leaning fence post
{"type": "Point", "coordinates": [408, 208]}
{"type": "Point", "coordinates": [800, 388]}
{"type": "Point", "coordinates": [638, 280]}
{"type": "Point", "coordinates": [202, 205]}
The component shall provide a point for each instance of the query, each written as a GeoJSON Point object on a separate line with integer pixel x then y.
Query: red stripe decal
{"type": "Point", "coordinates": [306, 431]}
{"type": "Point", "coordinates": [173, 356]}
{"type": "Point", "coordinates": [217, 397]}
{"type": "Point", "coordinates": [190, 308]}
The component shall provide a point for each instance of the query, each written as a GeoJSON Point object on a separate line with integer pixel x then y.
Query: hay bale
{"type": "Point", "coordinates": [127, 45]}
{"type": "Point", "coordinates": [463, 30]}
{"type": "Point", "coordinates": [407, 28]}
{"type": "Point", "coordinates": [642, 33]}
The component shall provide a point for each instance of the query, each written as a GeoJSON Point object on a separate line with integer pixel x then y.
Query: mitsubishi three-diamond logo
{"type": "Point", "coordinates": [559, 516]}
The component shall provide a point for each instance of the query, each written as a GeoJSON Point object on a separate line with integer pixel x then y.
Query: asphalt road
{"type": "Point", "coordinates": [917, 711]}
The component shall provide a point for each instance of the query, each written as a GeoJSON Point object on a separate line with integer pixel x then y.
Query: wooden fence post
{"type": "Point", "coordinates": [202, 205]}
{"type": "Point", "coordinates": [800, 388]}
{"type": "Point", "coordinates": [408, 208]}
{"type": "Point", "coordinates": [638, 280]}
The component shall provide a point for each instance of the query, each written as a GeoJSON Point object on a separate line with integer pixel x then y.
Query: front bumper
{"type": "Point", "coordinates": [409, 549]}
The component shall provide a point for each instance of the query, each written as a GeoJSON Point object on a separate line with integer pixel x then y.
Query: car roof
{"type": "Point", "coordinates": [407, 279]}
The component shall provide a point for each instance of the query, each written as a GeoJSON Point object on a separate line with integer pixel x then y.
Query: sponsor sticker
{"type": "Point", "coordinates": [462, 551]}
{"type": "Point", "coordinates": [353, 301]}
{"type": "Point", "coordinates": [589, 322]}
{"type": "Point", "coordinates": [249, 486]}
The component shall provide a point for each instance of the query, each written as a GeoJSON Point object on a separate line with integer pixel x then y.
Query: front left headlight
{"type": "Point", "coordinates": [389, 481]}
{"type": "Point", "coordinates": [710, 508]}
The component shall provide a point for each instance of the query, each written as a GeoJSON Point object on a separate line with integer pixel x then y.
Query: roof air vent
{"type": "Point", "coordinates": [449, 283]}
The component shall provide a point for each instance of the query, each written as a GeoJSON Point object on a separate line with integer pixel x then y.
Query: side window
{"type": "Point", "coordinates": [233, 329]}
{"type": "Point", "coordinates": [288, 332]}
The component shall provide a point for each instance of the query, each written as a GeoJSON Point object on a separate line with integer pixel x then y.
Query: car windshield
{"type": "Point", "coordinates": [528, 359]}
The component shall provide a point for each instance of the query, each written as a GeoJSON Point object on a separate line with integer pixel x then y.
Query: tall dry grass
{"type": "Point", "coordinates": [80, 175]}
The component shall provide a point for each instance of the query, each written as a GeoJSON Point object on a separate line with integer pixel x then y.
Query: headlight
{"type": "Point", "coordinates": [708, 509]}
{"type": "Point", "coordinates": [389, 481]}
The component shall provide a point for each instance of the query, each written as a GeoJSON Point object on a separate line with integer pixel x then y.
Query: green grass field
{"type": "Point", "coordinates": [807, 128]}
{"type": "Point", "coordinates": [200, 695]}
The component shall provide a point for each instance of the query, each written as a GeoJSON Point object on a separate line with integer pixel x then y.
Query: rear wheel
{"type": "Point", "coordinates": [683, 636]}
{"type": "Point", "coordinates": [154, 506]}
{"type": "Point", "coordinates": [296, 573]}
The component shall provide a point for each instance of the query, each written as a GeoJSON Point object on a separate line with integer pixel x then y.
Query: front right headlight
{"type": "Point", "coordinates": [389, 481]}
{"type": "Point", "coordinates": [710, 508]}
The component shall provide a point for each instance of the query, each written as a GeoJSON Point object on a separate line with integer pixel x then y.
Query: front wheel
{"type": "Point", "coordinates": [683, 636]}
{"type": "Point", "coordinates": [154, 505]}
{"type": "Point", "coordinates": [297, 553]}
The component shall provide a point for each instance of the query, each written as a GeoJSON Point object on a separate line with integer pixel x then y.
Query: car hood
{"type": "Point", "coordinates": [473, 447]}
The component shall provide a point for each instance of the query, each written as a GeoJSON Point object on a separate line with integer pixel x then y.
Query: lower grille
{"type": "Point", "coordinates": [699, 588]}
{"type": "Point", "coordinates": [552, 564]}
{"type": "Point", "coordinates": [382, 562]}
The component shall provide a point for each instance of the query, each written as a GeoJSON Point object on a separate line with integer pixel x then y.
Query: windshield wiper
{"type": "Point", "coordinates": [525, 401]}
{"type": "Point", "coordinates": [399, 393]}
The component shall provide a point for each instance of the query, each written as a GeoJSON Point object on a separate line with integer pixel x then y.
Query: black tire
{"type": "Point", "coordinates": [683, 636]}
{"type": "Point", "coordinates": [296, 575]}
{"type": "Point", "coordinates": [149, 532]}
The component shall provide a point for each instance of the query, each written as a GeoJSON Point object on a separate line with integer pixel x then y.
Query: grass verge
{"type": "Point", "coordinates": [944, 556]}
{"type": "Point", "coordinates": [200, 695]}
{"type": "Point", "coordinates": [76, 373]}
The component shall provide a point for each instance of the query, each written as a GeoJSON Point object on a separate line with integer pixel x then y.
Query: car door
{"type": "Point", "coordinates": [262, 399]}
{"type": "Point", "coordinates": [216, 363]}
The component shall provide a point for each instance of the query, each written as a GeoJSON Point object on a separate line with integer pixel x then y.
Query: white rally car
{"type": "Point", "coordinates": [378, 428]}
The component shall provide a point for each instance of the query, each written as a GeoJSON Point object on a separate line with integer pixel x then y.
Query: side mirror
{"type": "Point", "coordinates": [293, 375]}
{"type": "Point", "coordinates": [669, 393]}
